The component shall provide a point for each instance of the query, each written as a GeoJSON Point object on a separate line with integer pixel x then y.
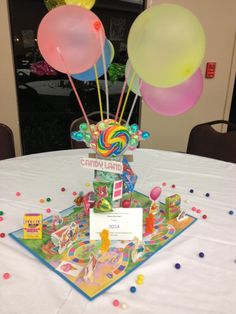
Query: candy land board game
{"type": "Point", "coordinates": [66, 249]}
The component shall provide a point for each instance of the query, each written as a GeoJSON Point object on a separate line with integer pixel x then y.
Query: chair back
{"type": "Point", "coordinates": [205, 141]}
{"type": "Point", "coordinates": [7, 149]}
{"type": "Point", "coordinates": [93, 118]}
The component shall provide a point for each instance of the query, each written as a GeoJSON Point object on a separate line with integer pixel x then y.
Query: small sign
{"type": "Point", "coordinates": [122, 223]}
{"type": "Point", "coordinates": [101, 164]}
{"type": "Point", "coordinates": [117, 190]}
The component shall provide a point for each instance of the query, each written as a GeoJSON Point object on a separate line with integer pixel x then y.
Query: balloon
{"type": "Point", "coordinates": [87, 4]}
{"type": "Point", "coordinates": [155, 193]}
{"type": "Point", "coordinates": [112, 51]}
{"type": "Point", "coordinates": [166, 45]}
{"type": "Point", "coordinates": [89, 75]}
{"type": "Point", "coordinates": [173, 100]}
{"type": "Point", "coordinates": [69, 39]}
{"type": "Point", "coordinates": [129, 74]}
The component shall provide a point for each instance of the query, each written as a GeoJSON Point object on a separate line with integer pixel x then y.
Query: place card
{"type": "Point", "coordinates": [101, 164]}
{"type": "Point", "coordinates": [122, 223]}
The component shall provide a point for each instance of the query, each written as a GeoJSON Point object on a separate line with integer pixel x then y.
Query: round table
{"type": "Point", "coordinates": [202, 285]}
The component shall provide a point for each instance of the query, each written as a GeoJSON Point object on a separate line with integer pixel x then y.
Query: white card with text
{"type": "Point", "coordinates": [122, 223]}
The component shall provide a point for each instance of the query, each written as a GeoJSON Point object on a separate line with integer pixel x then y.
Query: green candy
{"type": "Point", "coordinates": [83, 127]}
{"type": "Point", "coordinates": [103, 206]}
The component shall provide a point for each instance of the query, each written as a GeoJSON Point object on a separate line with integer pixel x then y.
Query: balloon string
{"type": "Point", "coordinates": [127, 95]}
{"type": "Point", "coordinates": [122, 94]}
{"type": "Point", "coordinates": [105, 74]}
{"type": "Point", "coordinates": [98, 90]}
{"type": "Point", "coordinates": [133, 104]}
{"type": "Point", "coordinates": [74, 89]}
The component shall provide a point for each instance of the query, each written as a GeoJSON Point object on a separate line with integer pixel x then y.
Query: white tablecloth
{"type": "Point", "coordinates": [202, 285]}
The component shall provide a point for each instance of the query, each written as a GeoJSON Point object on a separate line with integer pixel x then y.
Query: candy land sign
{"type": "Point", "coordinates": [101, 164]}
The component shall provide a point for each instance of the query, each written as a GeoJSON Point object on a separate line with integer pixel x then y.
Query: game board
{"type": "Point", "coordinates": [65, 248]}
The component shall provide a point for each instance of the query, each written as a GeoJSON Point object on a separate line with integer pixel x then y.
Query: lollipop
{"type": "Point", "coordinates": [113, 141]}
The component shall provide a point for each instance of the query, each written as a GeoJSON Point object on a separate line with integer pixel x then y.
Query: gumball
{"type": "Point", "coordinates": [126, 203]}
{"type": "Point", "coordinates": [133, 142]}
{"type": "Point", "coordinates": [87, 137]}
{"type": "Point", "coordinates": [145, 135]}
{"type": "Point", "coordinates": [83, 127]}
{"type": "Point", "coordinates": [101, 126]}
{"type": "Point", "coordinates": [134, 128]}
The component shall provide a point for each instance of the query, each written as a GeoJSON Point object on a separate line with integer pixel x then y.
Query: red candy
{"type": "Point", "coordinates": [126, 203]}
{"type": "Point", "coordinates": [163, 184]}
{"type": "Point", "coordinates": [204, 216]}
{"type": "Point", "coordinates": [6, 275]}
{"type": "Point", "coordinates": [1, 218]}
{"type": "Point", "coordinates": [74, 193]}
{"type": "Point", "coordinates": [18, 194]}
{"type": "Point", "coordinates": [63, 189]}
{"type": "Point", "coordinates": [116, 303]}
{"type": "Point", "coordinates": [173, 186]}
{"type": "Point", "coordinates": [2, 235]}
{"type": "Point", "coordinates": [48, 210]}
{"type": "Point", "coordinates": [194, 209]}
{"type": "Point", "coordinates": [198, 211]}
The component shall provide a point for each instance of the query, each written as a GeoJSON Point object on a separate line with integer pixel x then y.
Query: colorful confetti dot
{"type": "Point", "coordinates": [204, 216]}
{"type": "Point", "coordinates": [173, 186]}
{"type": "Point", "coordinates": [194, 209]}
{"type": "Point", "coordinates": [18, 194]}
{"type": "Point", "coordinates": [6, 276]}
{"type": "Point", "coordinates": [1, 213]}
{"type": "Point", "coordinates": [177, 266]}
{"type": "Point", "coordinates": [116, 302]}
{"type": "Point", "coordinates": [63, 189]}
{"type": "Point", "coordinates": [2, 235]}
{"type": "Point", "coordinates": [41, 200]}
{"type": "Point", "coordinates": [198, 211]}
{"type": "Point", "coordinates": [201, 254]}
{"type": "Point", "coordinates": [163, 184]}
{"type": "Point", "coordinates": [207, 194]}
{"type": "Point", "coordinates": [74, 193]}
{"type": "Point", "coordinates": [231, 212]}
{"type": "Point", "coordinates": [191, 191]}
{"type": "Point", "coordinates": [132, 289]}
{"type": "Point", "coordinates": [48, 210]}
{"type": "Point", "coordinates": [48, 199]}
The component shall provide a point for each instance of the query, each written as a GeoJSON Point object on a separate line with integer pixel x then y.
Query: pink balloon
{"type": "Point", "coordinates": [73, 34]}
{"type": "Point", "coordinates": [155, 193]}
{"type": "Point", "coordinates": [173, 100]}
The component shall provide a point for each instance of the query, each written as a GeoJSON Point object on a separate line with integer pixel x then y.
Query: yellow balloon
{"type": "Point", "coordinates": [87, 4]}
{"type": "Point", "coordinates": [166, 45]}
{"type": "Point", "coordinates": [112, 51]}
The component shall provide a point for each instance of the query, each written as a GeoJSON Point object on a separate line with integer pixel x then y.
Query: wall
{"type": "Point", "coordinates": [218, 20]}
{"type": "Point", "coordinates": [8, 99]}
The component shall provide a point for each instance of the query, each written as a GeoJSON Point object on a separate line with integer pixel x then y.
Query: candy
{"type": "Point", "coordinates": [48, 199]}
{"type": "Point", "coordinates": [132, 289]}
{"type": "Point", "coordinates": [140, 277]}
{"type": "Point", "coordinates": [201, 254]}
{"type": "Point", "coordinates": [6, 276]}
{"type": "Point", "coordinates": [177, 266]}
{"type": "Point", "coordinates": [207, 194]}
{"type": "Point", "coordinates": [63, 189]}
{"type": "Point", "coordinates": [116, 302]}
{"type": "Point", "coordinates": [204, 216]}
{"type": "Point", "coordinates": [18, 194]}
{"type": "Point", "coordinates": [139, 281]}
{"type": "Point", "coordinates": [126, 203]}
{"type": "Point", "coordinates": [113, 141]}
{"type": "Point", "coordinates": [1, 218]}
{"type": "Point", "coordinates": [48, 210]}
{"type": "Point", "coordinates": [2, 235]}
{"type": "Point", "coordinates": [191, 190]}
{"type": "Point", "coordinates": [1, 212]}
{"type": "Point", "coordinates": [41, 200]}
{"type": "Point", "coordinates": [231, 212]}
{"type": "Point", "coordinates": [74, 193]}
{"type": "Point", "coordinates": [123, 306]}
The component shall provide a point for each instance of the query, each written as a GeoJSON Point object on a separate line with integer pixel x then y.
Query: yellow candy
{"type": "Point", "coordinates": [141, 277]}
{"type": "Point", "coordinates": [139, 281]}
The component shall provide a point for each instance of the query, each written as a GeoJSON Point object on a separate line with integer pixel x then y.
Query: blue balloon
{"type": "Point", "coordinates": [89, 75]}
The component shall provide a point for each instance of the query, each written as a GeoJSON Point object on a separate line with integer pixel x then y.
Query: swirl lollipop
{"type": "Point", "coordinates": [113, 141]}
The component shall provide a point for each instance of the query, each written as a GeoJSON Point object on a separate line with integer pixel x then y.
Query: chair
{"type": "Point", "coordinates": [93, 118]}
{"type": "Point", "coordinates": [7, 149]}
{"type": "Point", "coordinates": [205, 141]}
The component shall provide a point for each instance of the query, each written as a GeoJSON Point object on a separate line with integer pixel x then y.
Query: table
{"type": "Point", "coordinates": [202, 285]}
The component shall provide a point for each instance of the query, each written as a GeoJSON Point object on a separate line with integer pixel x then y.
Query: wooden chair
{"type": "Point", "coordinates": [93, 118]}
{"type": "Point", "coordinates": [205, 141]}
{"type": "Point", "coordinates": [7, 149]}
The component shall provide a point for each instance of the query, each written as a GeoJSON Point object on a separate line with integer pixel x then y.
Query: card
{"type": "Point", "coordinates": [122, 223]}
